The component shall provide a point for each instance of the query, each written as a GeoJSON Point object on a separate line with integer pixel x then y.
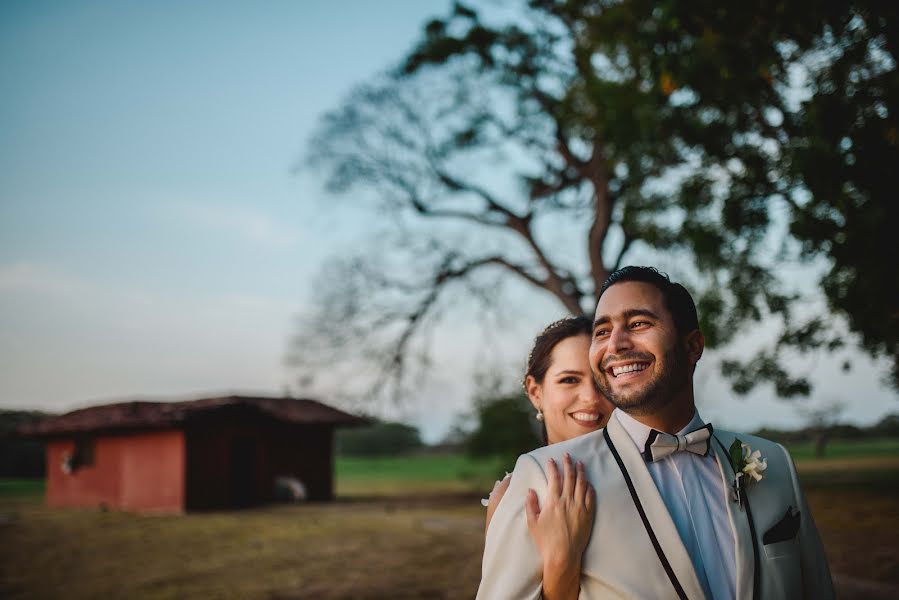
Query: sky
{"type": "Point", "coordinates": [155, 238]}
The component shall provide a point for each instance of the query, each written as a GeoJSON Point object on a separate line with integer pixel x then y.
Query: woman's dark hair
{"type": "Point", "coordinates": [541, 354]}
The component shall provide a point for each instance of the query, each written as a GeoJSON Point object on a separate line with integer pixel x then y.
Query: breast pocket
{"type": "Point", "coordinates": [781, 550]}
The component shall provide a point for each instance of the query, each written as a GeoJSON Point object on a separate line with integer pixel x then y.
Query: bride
{"type": "Point", "coordinates": [559, 383]}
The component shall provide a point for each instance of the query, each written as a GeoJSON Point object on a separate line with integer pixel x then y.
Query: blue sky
{"type": "Point", "coordinates": [153, 239]}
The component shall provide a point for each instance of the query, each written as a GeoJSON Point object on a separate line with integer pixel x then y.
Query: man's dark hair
{"type": "Point", "coordinates": [676, 297]}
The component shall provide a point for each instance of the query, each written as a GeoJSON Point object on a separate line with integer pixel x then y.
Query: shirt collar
{"type": "Point", "coordinates": [640, 433]}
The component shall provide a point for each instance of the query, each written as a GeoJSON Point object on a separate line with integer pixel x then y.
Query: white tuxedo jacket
{"type": "Point", "coordinates": [635, 550]}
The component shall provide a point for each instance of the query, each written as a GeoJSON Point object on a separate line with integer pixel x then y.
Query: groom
{"type": "Point", "coordinates": [673, 519]}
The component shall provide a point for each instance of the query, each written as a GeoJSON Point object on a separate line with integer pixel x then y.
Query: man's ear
{"type": "Point", "coordinates": [535, 393]}
{"type": "Point", "coordinates": [695, 344]}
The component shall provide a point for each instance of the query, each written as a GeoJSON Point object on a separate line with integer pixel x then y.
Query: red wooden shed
{"type": "Point", "coordinates": [211, 453]}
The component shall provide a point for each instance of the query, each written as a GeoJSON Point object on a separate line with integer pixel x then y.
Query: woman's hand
{"type": "Point", "coordinates": [499, 490]}
{"type": "Point", "coordinates": [561, 529]}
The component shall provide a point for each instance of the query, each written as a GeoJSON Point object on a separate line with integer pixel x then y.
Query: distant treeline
{"type": "Point", "coordinates": [382, 438]}
{"type": "Point", "coordinates": [886, 427]}
{"type": "Point", "coordinates": [20, 457]}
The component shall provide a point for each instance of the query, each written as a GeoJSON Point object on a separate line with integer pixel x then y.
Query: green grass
{"type": "Point", "coordinates": [436, 467]}
{"type": "Point", "coordinates": [847, 449]}
{"type": "Point", "coordinates": [457, 473]}
{"type": "Point", "coordinates": [21, 487]}
{"type": "Point", "coordinates": [450, 473]}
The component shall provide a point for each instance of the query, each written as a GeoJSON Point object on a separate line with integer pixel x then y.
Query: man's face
{"type": "Point", "coordinates": [636, 354]}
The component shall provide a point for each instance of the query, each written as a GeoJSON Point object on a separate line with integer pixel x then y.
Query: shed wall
{"type": "Point", "coordinates": [139, 471]}
{"type": "Point", "coordinates": [233, 460]}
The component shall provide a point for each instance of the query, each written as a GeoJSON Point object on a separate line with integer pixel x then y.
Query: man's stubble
{"type": "Point", "coordinates": [656, 394]}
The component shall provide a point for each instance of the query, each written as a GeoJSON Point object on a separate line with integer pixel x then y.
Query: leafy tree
{"type": "Point", "coordinates": [887, 426]}
{"type": "Point", "coordinates": [504, 428]}
{"type": "Point", "coordinates": [19, 456]}
{"type": "Point", "coordinates": [379, 439]}
{"type": "Point", "coordinates": [822, 423]}
{"type": "Point", "coordinates": [694, 134]}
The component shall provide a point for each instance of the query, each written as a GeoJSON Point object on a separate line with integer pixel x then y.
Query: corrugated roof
{"type": "Point", "coordinates": [152, 415]}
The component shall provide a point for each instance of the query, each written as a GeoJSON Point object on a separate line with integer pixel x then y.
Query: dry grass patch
{"type": "Point", "coordinates": [342, 550]}
{"type": "Point", "coordinates": [425, 542]}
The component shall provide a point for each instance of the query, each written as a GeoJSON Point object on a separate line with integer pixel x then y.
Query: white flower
{"type": "Point", "coordinates": [753, 463]}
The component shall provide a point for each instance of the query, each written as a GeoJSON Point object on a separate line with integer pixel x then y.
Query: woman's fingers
{"type": "Point", "coordinates": [581, 483]}
{"type": "Point", "coordinates": [568, 481]}
{"type": "Point", "coordinates": [571, 484]}
{"type": "Point", "coordinates": [553, 482]}
{"type": "Point", "coordinates": [590, 499]}
{"type": "Point", "coordinates": [532, 509]}
{"type": "Point", "coordinates": [499, 490]}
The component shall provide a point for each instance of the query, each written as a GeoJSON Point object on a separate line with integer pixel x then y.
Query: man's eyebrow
{"type": "Point", "coordinates": [640, 312]}
{"type": "Point", "coordinates": [626, 315]}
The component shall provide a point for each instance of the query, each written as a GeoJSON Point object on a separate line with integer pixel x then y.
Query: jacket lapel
{"type": "Point", "coordinates": [740, 521]}
{"type": "Point", "coordinates": [657, 521]}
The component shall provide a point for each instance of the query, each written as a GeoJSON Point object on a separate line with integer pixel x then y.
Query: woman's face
{"type": "Point", "coordinates": [571, 403]}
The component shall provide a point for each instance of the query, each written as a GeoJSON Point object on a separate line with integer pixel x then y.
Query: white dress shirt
{"type": "Point", "coordinates": [696, 498]}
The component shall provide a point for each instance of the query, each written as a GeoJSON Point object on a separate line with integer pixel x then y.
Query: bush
{"type": "Point", "coordinates": [20, 457]}
{"type": "Point", "coordinates": [504, 428]}
{"type": "Point", "coordinates": [383, 438]}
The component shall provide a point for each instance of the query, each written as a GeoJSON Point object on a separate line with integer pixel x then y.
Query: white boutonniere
{"type": "Point", "coordinates": [748, 466]}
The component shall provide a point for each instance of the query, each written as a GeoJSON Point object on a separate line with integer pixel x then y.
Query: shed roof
{"type": "Point", "coordinates": [140, 414]}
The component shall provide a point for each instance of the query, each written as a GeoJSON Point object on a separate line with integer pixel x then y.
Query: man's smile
{"type": "Point", "coordinates": [632, 367]}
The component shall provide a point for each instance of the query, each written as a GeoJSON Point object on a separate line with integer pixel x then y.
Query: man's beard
{"type": "Point", "coordinates": [671, 377]}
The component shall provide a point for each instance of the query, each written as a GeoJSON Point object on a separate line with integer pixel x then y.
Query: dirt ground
{"type": "Point", "coordinates": [415, 547]}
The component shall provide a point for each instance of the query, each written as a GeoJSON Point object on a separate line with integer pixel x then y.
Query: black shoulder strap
{"type": "Point", "coordinates": [652, 535]}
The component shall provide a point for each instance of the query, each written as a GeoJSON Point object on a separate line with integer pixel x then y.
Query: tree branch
{"type": "Point", "coordinates": [602, 213]}
{"type": "Point", "coordinates": [628, 240]}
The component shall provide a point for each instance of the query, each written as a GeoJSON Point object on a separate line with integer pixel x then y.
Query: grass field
{"type": "Point", "coordinates": [847, 449]}
{"type": "Point", "coordinates": [418, 474]}
{"type": "Point", "coordinates": [403, 528]}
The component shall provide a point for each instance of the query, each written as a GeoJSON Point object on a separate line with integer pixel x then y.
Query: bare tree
{"type": "Point", "coordinates": [552, 148]}
{"type": "Point", "coordinates": [820, 421]}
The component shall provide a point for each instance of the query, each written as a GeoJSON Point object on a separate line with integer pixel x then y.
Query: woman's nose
{"type": "Point", "coordinates": [591, 393]}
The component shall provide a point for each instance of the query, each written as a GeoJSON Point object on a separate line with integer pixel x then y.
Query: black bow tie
{"type": "Point", "coordinates": [660, 444]}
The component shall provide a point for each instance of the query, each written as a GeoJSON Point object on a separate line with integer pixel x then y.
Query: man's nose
{"type": "Point", "coordinates": [619, 339]}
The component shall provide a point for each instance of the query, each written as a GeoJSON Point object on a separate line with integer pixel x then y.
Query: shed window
{"type": "Point", "coordinates": [84, 453]}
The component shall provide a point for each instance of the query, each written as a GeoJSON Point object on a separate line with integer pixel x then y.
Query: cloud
{"type": "Point", "coordinates": [248, 224]}
{"type": "Point", "coordinates": [40, 279]}
{"type": "Point", "coordinates": [65, 338]}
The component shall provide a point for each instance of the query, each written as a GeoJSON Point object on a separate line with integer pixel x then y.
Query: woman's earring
{"type": "Point", "coordinates": [539, 415]}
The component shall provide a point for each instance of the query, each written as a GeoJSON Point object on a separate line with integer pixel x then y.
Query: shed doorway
{"type": "Point", "coordinates": [242, 463]}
